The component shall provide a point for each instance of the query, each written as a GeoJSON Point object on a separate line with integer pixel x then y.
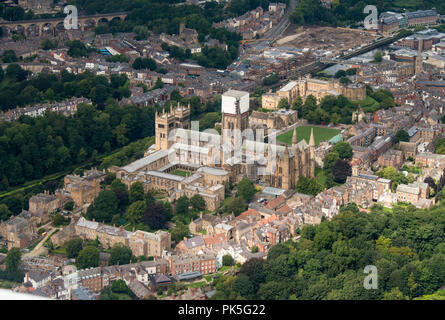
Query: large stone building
{"type": "Point", "coordinates": [140, 242]}
{"type": "Point", "coordinates": [84, 189]}
{"type": "Point", "coordinates": [277, 120]}
{"type": "Point", "coordinates": [317, 88]}
{"type": "Point", "coordinates": [185, 161]}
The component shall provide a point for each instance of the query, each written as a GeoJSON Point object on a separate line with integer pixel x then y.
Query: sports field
{"type": "Point", "coordinates": [304, 132]}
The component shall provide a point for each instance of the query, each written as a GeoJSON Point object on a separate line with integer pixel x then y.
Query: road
{"type": "Point", "coordinates": [277, 30]}
{"type": "Point", "coordinates": [39, 249]}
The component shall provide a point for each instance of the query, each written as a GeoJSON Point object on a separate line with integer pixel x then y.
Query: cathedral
{"type": "Point", "coordinates": [239, 150]}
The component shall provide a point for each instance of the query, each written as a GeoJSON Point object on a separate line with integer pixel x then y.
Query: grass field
{"type": "Point", "coordinates": [320, 176]}
{"type": "Point", "coordinates": [181, 173]}
{"type": "Point", "coordinates": [304, 132]}
{"type": "Point", "coordinates": [368, 105]}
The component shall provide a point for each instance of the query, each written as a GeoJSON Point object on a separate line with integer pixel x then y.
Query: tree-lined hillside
{"type": "Point", "coordinates": [406, 245]}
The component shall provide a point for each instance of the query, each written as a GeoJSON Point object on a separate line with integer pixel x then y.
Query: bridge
{"type": "Point", "coordinates": [40, 26]}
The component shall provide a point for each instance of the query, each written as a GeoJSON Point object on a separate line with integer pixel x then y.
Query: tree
{"type": "Point", "coordinates": [351, 71]}
{"type": "Point", "coordinates": [12, 260]}
{"type": "Point", "coordinates": [378, 56]}
{"type": "Point", "coordinates": [341, 170]}
{"type": "Point", "coordinates": [9, 56]}
{"type": "Point", "coordinates": [120, 254]}
{"type": "Point", "coordinates": [343, 149]}
{"type": "Point", "coordinates": [60, 220]}
{"type": "Point", "coordinates": [179, 231]}
{"type": "Point", "coordinates": [88, 257]}
{"type": "Point", "coordinates": [47, 44]}
{"type": "Point", "coordinates": [344, 81]}
{"type": "Point", "coordinates": [308, 186]}
{"type": "Point", "coordinates": [227, 260]}
{"type": "Point", "coordinates": [159, 84]}
{"type": "Point", "coordinates": [5, 213]}
{"type": "Point", "coordinates": [431, 184]}
{"type": "Point", "coordinates": [237, 206]}
{"type": "Point", "coordinates": [119, 286]}
{"type": "Point", "coordinates": [154, 216]}
{"type": "Point", "coordinates": [283, 104]}
{"type": "Point", "coordinates": [73, 247]}
{"type": "Point", "coordinates": [244, 286]}
{"type": "Point", "coordinates": [144, 63]}
{"type": "Point", "coordinates": [401, 135]}
{"type": "Point", "coordinates": [135, 212]}
{"type": "Point", "coordinates": [182, 205]}
{"type": "Point", "coordinates": [246, 189]}
{"type": "Point", "coordinates": [103, 207]}
{"type": "Point", "coordinates": [340, 73]}
{"type": "Point", "coordinates": [272, 79]}
{"type": "Point", "coordinates": [330, 159]}
{"type": "Point", "coordinates": [69, 206]}
{"type": "Point", "coordinates": [136, 192]}
{"type": "Point", "coordinates": [76, 49]}
{"type": "Point", "coordinates": [394, 294]}
{"type": "Point", "coordinates": [198, 203]}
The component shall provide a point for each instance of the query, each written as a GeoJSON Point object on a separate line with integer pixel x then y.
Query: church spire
{"type": "Point", "coordinates": [294, 137]}
{"type": "Point", "coordinates": [311, 139]}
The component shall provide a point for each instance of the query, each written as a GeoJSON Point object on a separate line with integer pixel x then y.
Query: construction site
{"type": "Point", "coordinates": [327, 39]}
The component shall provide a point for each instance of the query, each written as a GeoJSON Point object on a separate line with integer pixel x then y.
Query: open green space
{"type": "Point", "coordinates": [320, 176]}
{"type": "Point", "coordinates": [181, 173]}
{"type": "Point", "coordinates": [368, 105]}
{"type": "Point", "coordinates": [304, 132]}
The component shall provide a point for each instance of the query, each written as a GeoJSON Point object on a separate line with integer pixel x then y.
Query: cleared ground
{"type": "Point", "coordinates": [304, 132]}
{"type": "Point", "coordinates": [326, 38]}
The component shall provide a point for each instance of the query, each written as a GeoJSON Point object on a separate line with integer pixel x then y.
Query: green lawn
{"type": "Point", "coordinates": [304, 132]}
{"type": "Point", "coordinates": [181, 173]}
{"type": "Point", "coordinates": [320, 176]}
{"type": "Point", "coordinates": [197, 284]}
{"type": "Point", "coordinates": [60, 250]}
{"type": "Point", "coordinates": [369, 104]}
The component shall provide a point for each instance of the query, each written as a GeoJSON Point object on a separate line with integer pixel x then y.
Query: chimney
{"type": "Point", "coordinates": [94, 220]}
{"type": "Point", "coordinates": [121, 229]}
{"type": "Point", "coordinates": [173, 296]}
{"type": "Point", "coordinates": [179, 296]}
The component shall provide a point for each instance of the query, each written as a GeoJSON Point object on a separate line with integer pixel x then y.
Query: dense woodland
{"type": "Point", "coordinates": [407, 245]}
{"type": "Point", "coordinates": [33, 148]}
{"type": "Point", "coordinates": [17, 89]}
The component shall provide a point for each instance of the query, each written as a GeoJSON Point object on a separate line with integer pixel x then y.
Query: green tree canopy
{"type": "Point", "coordinates": [88, 257]}
{"type": "Point", "coordinates": [104, 206]}
{"type": "Point", "coordinates": [246, 189]}
{"type": "Point", "coordinates": [120, 254]}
